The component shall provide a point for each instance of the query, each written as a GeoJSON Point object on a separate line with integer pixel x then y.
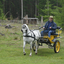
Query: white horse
{"type": "Point", "coordinates": [30, 36]}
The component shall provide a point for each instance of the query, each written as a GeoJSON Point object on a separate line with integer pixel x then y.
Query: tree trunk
{"type": "Point", "coordinates": [22, 11]}
{"type": "Point", "coordinates": [35, 8]}
{"type": "Point", "coordinates": [48, 6]}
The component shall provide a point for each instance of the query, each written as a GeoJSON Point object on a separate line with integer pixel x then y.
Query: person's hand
{"type": "Point", "coordinates": [43, 27]}
{"type": "Point", "coordinates": [50, 27]}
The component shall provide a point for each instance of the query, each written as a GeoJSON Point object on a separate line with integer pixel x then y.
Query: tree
{"type": "Point", "coordinates": [35, 7]}
{"type": "Point", "coordinates": [46, 12]}
{"type": "Point", "coordinates": [2, 16]}
{"type": "Point", "coordinates": [60, 15]}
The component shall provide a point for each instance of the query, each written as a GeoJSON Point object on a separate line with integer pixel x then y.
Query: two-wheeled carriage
{"type": "Point", "coordinates": [51, 41]}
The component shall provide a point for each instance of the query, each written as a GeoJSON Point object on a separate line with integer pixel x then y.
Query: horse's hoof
{"type": "Point", "coordinates": [30, 55]}
{"type": "Point", "coordinates": [24, 53]}
{"type": "Point", "coordinates": [36, 53]}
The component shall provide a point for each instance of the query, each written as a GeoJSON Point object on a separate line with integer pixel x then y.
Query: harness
{"type": "Point", "coordinates": [31, 35]}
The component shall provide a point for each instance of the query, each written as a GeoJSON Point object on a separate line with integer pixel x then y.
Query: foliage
{"type": "Point", "coordinates": [46, 11]}
{"type": "Point", "coordinates": [2, 16]}
{"type": "Point", "coordinates": [60, 15]}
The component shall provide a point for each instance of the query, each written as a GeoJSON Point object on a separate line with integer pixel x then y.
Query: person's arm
{"type": "Point", "coordinates": [55, 27]}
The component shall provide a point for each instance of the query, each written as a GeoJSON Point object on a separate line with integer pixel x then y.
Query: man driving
{"type": "Point", "coordinates": [49, 27]}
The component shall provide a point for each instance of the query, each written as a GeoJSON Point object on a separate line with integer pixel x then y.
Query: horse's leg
{"type": "Point", "coordinates": [24, 43]}
{"type": "Point", "coordinates": [30, 48]}
{"type": "Point", "coordinates": [36, 47]}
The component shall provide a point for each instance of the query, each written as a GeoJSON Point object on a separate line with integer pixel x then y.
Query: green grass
{"type": "Point", "coordinates": [11, 51]}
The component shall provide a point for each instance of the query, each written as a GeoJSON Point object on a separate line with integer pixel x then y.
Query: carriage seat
{"type": "Point", "coordinates": [58, 27]}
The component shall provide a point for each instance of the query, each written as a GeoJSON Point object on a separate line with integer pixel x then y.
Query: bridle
{"type": "Point", "coordinates": [27, 34]}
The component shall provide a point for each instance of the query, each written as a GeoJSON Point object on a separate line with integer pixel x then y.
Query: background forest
{"type": "Point", "coordinates": [11, 9]}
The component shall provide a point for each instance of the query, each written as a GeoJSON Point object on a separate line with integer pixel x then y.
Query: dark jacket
{"type": "Point", "coordinates": [53, 25]}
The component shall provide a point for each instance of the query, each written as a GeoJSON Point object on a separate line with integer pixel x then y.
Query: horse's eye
{"type": "Point", "coordinates": [24, 27]}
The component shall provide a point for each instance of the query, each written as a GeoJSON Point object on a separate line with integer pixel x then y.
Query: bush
{"type": "Point", "coordinates": [2, 16]}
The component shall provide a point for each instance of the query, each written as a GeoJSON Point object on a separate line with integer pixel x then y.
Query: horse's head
{"type": "Point", "coordinates": [24, 28]}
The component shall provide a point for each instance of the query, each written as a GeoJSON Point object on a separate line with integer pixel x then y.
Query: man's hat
{"type": "Point", "coordinates": [51, 17]}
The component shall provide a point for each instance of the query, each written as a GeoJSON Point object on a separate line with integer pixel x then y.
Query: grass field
{"type": "Point", "coordinates": [11, 50]}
